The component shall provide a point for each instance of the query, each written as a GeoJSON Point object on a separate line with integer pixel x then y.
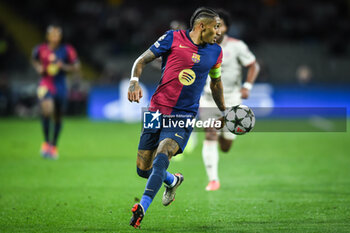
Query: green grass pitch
{"type": "Point", "coordinates": [271, 182]}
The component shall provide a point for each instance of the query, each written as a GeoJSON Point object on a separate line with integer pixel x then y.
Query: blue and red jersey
{"type": "Point", "coordinates": [185, 68]}
{"type": "Point", "coordinates": [56, 84]}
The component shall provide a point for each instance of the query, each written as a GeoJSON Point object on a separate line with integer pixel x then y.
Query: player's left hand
{"type": "Point", "coordinates": [244, 93]}
{"type": "Point", "coordinates": [222, 119]}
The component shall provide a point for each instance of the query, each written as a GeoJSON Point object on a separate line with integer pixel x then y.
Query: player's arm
{"type": "Point", "coordinates": [70, 68]}
{"type": "Point", "coordinates": [36, 62]}
{"type": "Point", "coordinates": [247, 59]}
{"type": "Point", "coordinates": [217, 91]}
{"type": "Point", "coordinates": [38, 66]}
{"type": "Point", "coordinates": [252, 73]}
{"type": "Point", "coordinates": [72, 64]}
{"type": "Point", "coordinates": [135, 91]}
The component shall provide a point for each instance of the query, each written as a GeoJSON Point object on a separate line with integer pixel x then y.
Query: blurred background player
{"type": "Point", "coordinates": [188, 57]}
{"type": "Point", "coordinates": [236, 55]}
{"type": "Point", "coordinates": [52, 60]}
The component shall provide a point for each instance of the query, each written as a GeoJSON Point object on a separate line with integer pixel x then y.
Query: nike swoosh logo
{"type": "Point", "coordinates": [178, 136]}
{"type": "Point", "coordinates": [149, 190]}
{"type": "Point", "coordinates": [184, 47]}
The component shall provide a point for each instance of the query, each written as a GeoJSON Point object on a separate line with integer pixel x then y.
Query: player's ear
{"type": "Point", "coordinates": [202, 26]}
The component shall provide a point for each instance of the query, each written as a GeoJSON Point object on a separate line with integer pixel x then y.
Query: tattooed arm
{"type": "Point", "coordinates": [217, 92]}
{"type": "Point", "coordinates": [135, 91]}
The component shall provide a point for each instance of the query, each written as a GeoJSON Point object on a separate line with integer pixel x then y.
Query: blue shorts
{"type": "Point", "coordinates": [150, 137]}
{"type": "Point", "coordinates": [59, 99]}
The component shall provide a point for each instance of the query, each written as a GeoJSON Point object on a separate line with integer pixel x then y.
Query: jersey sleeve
{"type": "Point", "coordinates": [72, 56]}
{"type": "Point", "coordinates": [245, 56]}
{"type": "Point", "coordinates": [163, 44]}
{"type": "Point", "coordinates": [35, 53]}
{"type": "Point", "coordinates": [219, 60]}
{"type": "Point", "coordinates": [215, 71]}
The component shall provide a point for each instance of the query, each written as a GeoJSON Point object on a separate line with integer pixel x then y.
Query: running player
{"type": "Point", "coordinates": [188, 56]}
{"type": "Point", "coordinates": [52, 60]}
{"type": "Point", "coordinates": [236, 55]}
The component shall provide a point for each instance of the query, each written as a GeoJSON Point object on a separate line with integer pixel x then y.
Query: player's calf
{"type": "Point", "coordinates": [225, 144]}
{"type": "Point", "coordinates": [144, 173]}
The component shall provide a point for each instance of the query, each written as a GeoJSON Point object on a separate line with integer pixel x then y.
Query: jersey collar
{"type": "Point", "coordinates": [188, 36]}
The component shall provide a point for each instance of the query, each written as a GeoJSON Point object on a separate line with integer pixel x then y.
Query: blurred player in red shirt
{"type": "Point", "coordinates": [53, 60]}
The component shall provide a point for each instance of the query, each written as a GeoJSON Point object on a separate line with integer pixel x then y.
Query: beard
{"type": "Point", "coordinates": [220, 39]}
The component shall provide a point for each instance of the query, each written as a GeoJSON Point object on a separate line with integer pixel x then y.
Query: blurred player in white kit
{"type": "Point", "coordinates": [236, 55]}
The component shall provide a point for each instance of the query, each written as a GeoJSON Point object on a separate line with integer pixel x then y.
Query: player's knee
{"type": "Point", "coordinates": [46, 108]}
{"type": "Point", "coordinates": [46, 113]}
{"type": "Point", "coordinates": [144, 173]}
{"type": "Point", "coordinates": [211, 135]}
{"type": "Point", "coordinates": [168, 146]}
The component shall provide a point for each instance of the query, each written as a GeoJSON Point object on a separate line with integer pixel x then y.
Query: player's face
{"type": "Point", "coordinates": [54, 36]}
{"type": "Point", "coordinates": [211, 31]}
{"type": "Point", "coordinates": [223, 28]}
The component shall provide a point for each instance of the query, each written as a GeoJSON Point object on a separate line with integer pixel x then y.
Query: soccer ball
{"type": "Point", "coordinates": [240, 119]}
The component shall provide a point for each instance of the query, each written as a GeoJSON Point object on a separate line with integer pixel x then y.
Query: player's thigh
{"type": "Point", "coordinates": [147, 148]}
{"type": "Point", "coordinates": [46, 101]}
{"type": "Point", "coordinates": [168, 146]}
{"type": "Point", "coordinates": [47, 106]}
{"type": "Point", "coordinates": [145, 159]}
{"type": "Point", "coordinates": [173, 140]}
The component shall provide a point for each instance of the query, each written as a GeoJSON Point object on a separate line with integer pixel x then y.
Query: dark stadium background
{"type": "Point", "coordinates": [299, 44]}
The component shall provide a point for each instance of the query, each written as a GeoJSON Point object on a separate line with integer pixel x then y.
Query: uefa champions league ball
{"type": "Point", "coordinates": [240, 119]}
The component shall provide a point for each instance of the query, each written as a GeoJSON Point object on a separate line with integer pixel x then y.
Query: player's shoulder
{"type": "Point", "coordinates": [168, 33]}
{"type": "Point", "coordinates": [235, 42]}
{"type": "Point", "coordinates": [215, 47]}
{"type": "Point", "coordinates": [167, 36]}
{"type": "Point", "coordinates": [40, 46]}
{"type": "Point", "coordinates": [231, 39]}
{"type": "Point", "coordinates": [68, 46]}
{"type": "Point", "coordinates": [175, 33]}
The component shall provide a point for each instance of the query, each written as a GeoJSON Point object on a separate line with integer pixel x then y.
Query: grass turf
{"type": "Point", "coordinates": [271, 182]}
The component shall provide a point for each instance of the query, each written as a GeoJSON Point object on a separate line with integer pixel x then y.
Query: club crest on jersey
{"type": "Point", "coordinates": [196, 58]}
{"type": "Point", "coordinates": [187, 77]}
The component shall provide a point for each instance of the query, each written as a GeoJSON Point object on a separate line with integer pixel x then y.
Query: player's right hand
{"type": "Point", "coordinates": [222, 119]}
{"type": "Point", "coordinates": [40, 69]}
{"type": "Point", "coordinates": [134, 92]}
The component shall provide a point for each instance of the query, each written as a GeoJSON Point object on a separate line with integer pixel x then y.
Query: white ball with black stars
{"type": "Point", "coordinates": [240, 119]}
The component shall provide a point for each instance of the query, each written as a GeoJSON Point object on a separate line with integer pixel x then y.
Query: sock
{"type": "Point", "coordinates": [56, 132]}
{"type": "Point", "coordinates": [46, 128]}
{"type": "Point", "coordinates": [155, 180]}
{"type": "Point", "coordinates": [210, 156]}
{"type": "Point", "coordinates": [170, 179]}
{"type": "Point", "coordinates": [144, 173]}
{"type": "Point", "coordinates": [145, 202]}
